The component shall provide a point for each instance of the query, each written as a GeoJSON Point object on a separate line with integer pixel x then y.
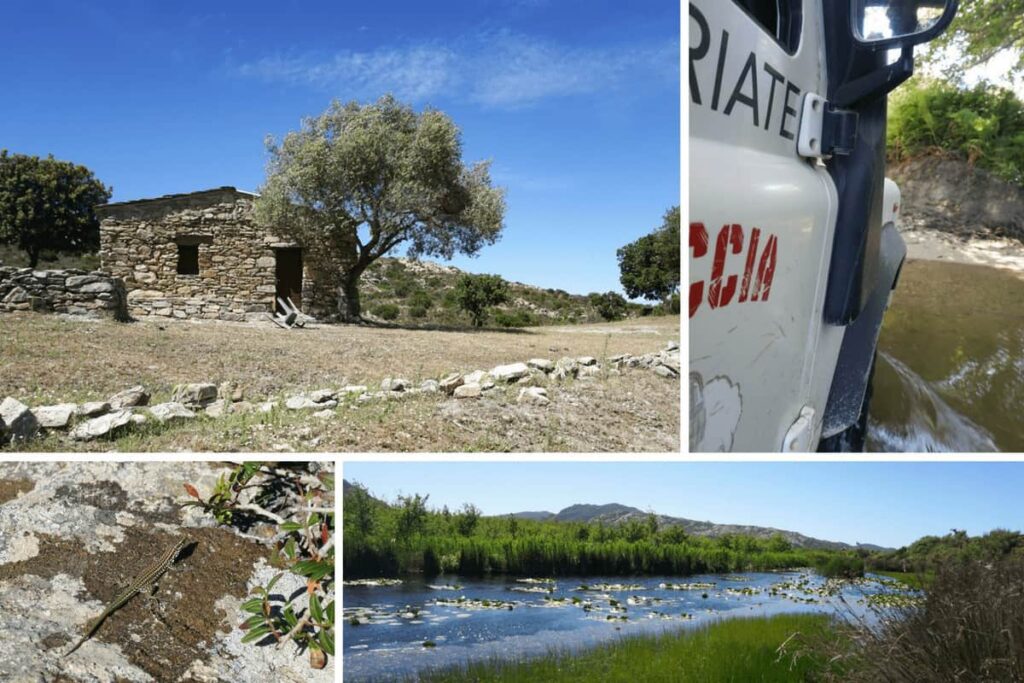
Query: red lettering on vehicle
{"type": "Point", "coordinates": [722, 289]}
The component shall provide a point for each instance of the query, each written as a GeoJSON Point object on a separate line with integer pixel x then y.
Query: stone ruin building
{"type": "Point", "coordinates": [202, 255]}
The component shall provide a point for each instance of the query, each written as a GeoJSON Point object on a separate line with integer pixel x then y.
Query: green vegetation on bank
{"type": "Point", "coordinates": [740, 650]}
{"type": "Point", "coordinates": [930, 553]}
{"type": "Point", "coordinates": [983, 125]}
{"type": "Point", "coordinates": [391, 540]}
{"type": "Point", "coordinates": [427, 294]}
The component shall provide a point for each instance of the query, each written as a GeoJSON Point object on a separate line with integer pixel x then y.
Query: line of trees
{"type": "Point", "coordinates": [409, 537]}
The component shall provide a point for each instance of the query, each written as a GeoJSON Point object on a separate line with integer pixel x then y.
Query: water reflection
{"type": "Point", "coordinates": [950, 372]}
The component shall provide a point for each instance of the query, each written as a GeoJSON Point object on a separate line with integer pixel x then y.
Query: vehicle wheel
{"type": "Point", "coordinates": [854, 438]}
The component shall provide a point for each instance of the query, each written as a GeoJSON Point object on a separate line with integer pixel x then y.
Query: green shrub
{"type": "Point", "coordinates": [417, 312]}
{"type": "Point", "coordinates": [475, 294]}
{"type": "Point", "coordinates": [421, 299]}
{"type": "Point", "coordinates": [514, 319]}
{"type": "Point", "coordinates": [983, 124]}
{"type": "Point", "coordinates": [386, 311]}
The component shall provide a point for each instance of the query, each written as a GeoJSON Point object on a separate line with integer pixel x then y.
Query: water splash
{"type": "Point", "coordinates": [926, 422]}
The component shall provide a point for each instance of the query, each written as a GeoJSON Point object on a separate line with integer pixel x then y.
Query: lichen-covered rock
{"type": "Point", "coordinates": [665, 371]}
{"type": "Point", "coordinates": [322, 395]}
{"type": "Point", "coordinates": [104, 425]}
{"type": "Point", "coordinates": [55, 417]}
{"type": "Point", "coordinates": [450, 383]}
{"type": "Point", "coordinates": [509, 373]}
{"type": "Point", "coordinates": [429, 386]}
{"type": "Point", "coordinates": [467, 391]}
{"type": "Point", "coordinates": [171, 411]}
{"type": "Point", "coordinates": [542, 364]}
{"type": "Point", "coordinates": [93, 409]}
{"type": "Point", "coordinates": [195, 395]}
{"type": "Point", "coordinates": [19, 424]}
{"type": "Point", "coordinates": [395, 384]}
{"type": "Point", "coordinates": [537, 396]}
{"type": "Point", "coordinates": [218, 408]}
{"type": "Point", "coordinates": [129, 398]}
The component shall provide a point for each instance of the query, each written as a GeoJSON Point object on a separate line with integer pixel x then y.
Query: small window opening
{"type": "Point", "coordinates": [780, 18]}
{"type": "Point", "coordinates": [188, 259]}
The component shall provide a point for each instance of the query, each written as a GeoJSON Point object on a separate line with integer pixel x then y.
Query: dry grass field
{"type": "Point", "coordinates": [47, 359]}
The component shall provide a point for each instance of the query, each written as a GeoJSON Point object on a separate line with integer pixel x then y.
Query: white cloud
{"type": "Point", "coordinates": [499, 69]}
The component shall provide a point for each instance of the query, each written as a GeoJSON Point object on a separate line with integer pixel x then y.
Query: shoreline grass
{"type": "Point", "coordinates": [738, 650]}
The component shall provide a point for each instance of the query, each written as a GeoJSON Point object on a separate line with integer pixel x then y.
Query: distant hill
{"type": "Point", "coordinates": [420, 292]}
{"type": "Point", "coordinates": [615, 513]}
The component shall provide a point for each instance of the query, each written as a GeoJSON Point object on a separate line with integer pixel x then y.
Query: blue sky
{"type": "Point", "coordinates": [890, 504]}
{"type": "Point", "coordinates": [575, 101]}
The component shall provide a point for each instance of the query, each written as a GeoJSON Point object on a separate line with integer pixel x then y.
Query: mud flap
{"type": "Point", "coordinates": [853, 369]}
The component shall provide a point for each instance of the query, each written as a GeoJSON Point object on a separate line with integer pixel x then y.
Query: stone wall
{"type": "Point", "coordinates": [77, 292]}
{"type": "Point", "coordinates": [139, 242]}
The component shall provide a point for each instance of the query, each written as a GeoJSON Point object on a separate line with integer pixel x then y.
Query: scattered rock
{"type": "Point", "coordinates": [665, 371]}
{"type": "Point", "coordinates": [139, 419]}
{"type": "Point", "coordinates": [509, 373]}
{"type": "Point", "coordinates": [19, 424]}
{"type": "Point", "coordinates": [55, 417]}
{"type": "Point", "coordinates": [450, 383]}
{"type": "Point", "coordinates": [194, 395]}
{"type": "Point", "coordinates": [129, 398]}
{"type": "Point", "coordinates": [93, 409]}
{"type": "Point", "coordinates": [324, 414]}
{"type": "Point", "coordinates": [467, 391]}
{"type": "Point", "coordinates": [589, 371]}
{"type": "Point", "coordinates": [542, 364]}
{"type": "Point", "coordinates": [300, 403]}
{"type": "Point", "coordinates": [534, 395]}
{"type": "Point", "coordinates": [586, 360]}
{"type": "Point", "coordinates": [354, 389]}
{"type": "Point", "coordinates": [323, 395]}
{"type": "Point", "coordinates": [396, 384]}
{"type": "Point", "coordinates": [266, 406]}
{"type": "Point", "coordinates": [429, 386]}
{"type": "Point", "coordinates": [172, 410]}
{"type": "Point", "coordinates": [218, 408]}
{"type": "Point", "coordinates": [565, 368]}
{"type": "Point", "coordinates": [242, 407]}
{"type": "Point", "coordinates": [672, 346]}
{"type": "Point", "coordinates": [102, 426]}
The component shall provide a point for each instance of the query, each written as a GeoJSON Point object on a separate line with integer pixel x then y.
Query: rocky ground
{"type": "Point", "coordinates": [611, 387]}
{"type": "Point", "coordinates": [70, 533]}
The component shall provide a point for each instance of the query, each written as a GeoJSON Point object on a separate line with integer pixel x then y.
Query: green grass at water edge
{"type": "Point", "coordinates": [910, 579]}
{"type": "Point", "coordinates": [735, 650]}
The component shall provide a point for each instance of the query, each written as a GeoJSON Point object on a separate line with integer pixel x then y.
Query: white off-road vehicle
{"type": "Point", "coordinates": [793, 244]}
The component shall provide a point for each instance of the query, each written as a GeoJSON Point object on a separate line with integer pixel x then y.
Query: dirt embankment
{"type": "Point", "coordinates": [955, 212]}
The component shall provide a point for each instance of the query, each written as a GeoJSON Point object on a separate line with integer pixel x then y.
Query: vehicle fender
{"type": "Point", "coordinates": [853, 368]}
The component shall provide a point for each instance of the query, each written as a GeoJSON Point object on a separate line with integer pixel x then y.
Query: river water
{"type": "Point", "coordinates": [386, 627]}
{"type": "Point", "coordinates": [950, 371]}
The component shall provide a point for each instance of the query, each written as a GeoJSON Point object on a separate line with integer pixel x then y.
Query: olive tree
{"type": "Point", "coordinates": [359, 180]}
{"type": "Point", "coordinates": [476, 293]}
{"type": "Point", "coordinates": [650, 266]}
{"type": "Point", "coordinates": [47, 204]}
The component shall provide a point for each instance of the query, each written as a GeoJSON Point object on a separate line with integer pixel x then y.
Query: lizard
{"type": "Point", "coordinates": [147, 579]}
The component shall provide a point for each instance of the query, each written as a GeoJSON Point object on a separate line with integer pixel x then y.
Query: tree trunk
{"type": "Point", "coordinates": [350, 308]}
{"type": "Point", "coordinates": [33, 257]}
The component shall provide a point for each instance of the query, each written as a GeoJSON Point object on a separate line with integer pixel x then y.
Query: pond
{"type": "Point", "coordinates": [396, 629]}
{"type": "Point", "coordinates": [950, 370]}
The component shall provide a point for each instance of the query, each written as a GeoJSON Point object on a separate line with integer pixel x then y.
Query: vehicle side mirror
{"type": "Point", "coordinates": [888, 24]}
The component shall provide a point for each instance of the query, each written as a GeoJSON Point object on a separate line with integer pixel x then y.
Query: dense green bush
{"type": "Point", "coordinates": [417, 312]}
{"type": "Point", "coordinates": [386, 311]}
{"type": "Point", "coordinates": [421, 299]}
{"type": "Point", "coordinates": [983, 124]}
{"type": "Point", "coordinates": [514, 319]}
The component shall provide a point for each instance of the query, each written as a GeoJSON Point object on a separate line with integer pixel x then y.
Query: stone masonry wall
{"type": "Point", "coordinates": [77, 292]}
{"type": "Point", "coordinates": [236, 280]}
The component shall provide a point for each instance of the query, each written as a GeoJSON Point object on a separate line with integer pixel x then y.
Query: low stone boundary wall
{"type": "Point", "coordinates": [77, 292]}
